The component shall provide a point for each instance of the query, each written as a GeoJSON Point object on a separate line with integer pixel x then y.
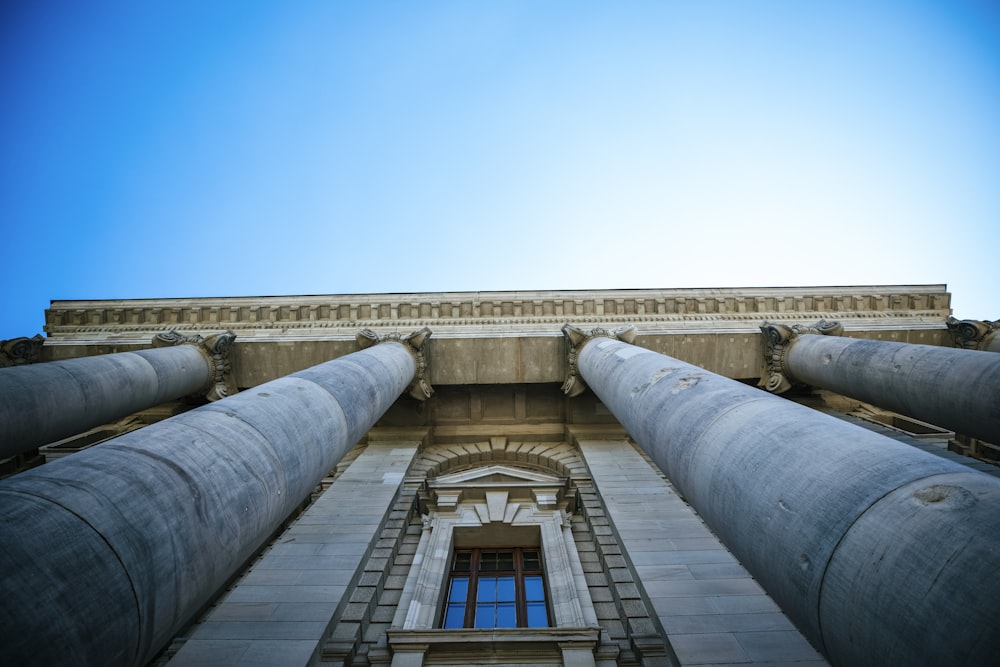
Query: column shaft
{"type": "Point", "coordinates": [306, 575]}
{"type": "Point", "coordinates": [879, 552]}
{"type": "Point", "coordinates": [107, 553]}
{"type": "Point", "coordinates": [954, 388]}
{"type": "Point", "coordinates": [42, 403]}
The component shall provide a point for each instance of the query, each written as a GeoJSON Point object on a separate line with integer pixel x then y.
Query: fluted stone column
{"type": "Point", "coordinates": [42, 403]}
{"type": "Point", "coordinates": [105, 554]}
{"type": "Point", "coordinates": [954, 388]}
{"type": "Point", "coordinates": [880, 553]}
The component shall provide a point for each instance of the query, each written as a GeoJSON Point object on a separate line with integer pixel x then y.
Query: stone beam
{"type": "Point", "coordinates": [41, 403]}
{"type": "Point", "coordinates": [879, 552]}
{"type": "Point", "coordinates": [109, 552]}
{"type": "Point", "coordinates": [953, 388]}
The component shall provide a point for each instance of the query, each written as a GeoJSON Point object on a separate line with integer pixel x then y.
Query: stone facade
{"type": "Point", "coordinates": [494, 437]}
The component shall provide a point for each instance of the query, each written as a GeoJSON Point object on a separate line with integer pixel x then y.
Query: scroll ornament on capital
{"type": "Point", "coordinates": [972, 334]}
{"type": "Point", "coordinates": [577, 338]}
{"type": "Point", "coordinates": [20, 351]}
{"type": "Point", "coordinates": [420, 388]}
{"type": "Point", "coordinates": [778, 339]}
{"type": "Point", "coordinates": [216, 347]}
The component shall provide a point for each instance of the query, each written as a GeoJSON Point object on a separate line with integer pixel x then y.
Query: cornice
{"type": "Point", "coordinates": [464, 314]}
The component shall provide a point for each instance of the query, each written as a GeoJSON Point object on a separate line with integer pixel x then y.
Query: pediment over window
{"type": "Point", "coordinates": [496, 475]}
{"type": "Point", "coordinates": [479, 484]}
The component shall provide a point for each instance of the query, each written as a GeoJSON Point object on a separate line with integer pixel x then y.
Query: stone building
{"type": "Point", "coordinates": [623, 477]}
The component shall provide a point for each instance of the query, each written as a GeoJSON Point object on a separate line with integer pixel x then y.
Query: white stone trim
{"type": "Point", "coordinates": [420, 603]}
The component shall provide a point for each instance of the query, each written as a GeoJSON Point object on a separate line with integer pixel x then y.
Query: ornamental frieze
{"type": "Point", "coordinates": [478, 309]}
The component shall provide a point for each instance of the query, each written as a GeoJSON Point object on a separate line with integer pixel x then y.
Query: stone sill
{"type": "Point", "coordinates": [505, 643]}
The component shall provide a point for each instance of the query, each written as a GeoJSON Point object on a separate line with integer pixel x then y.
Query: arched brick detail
{"type": "Point", "coordinates": [559, 458]}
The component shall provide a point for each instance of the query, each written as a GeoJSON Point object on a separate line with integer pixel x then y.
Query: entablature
{"type": "Point", "coordinates": [499, 338]}
{"type": "Point", "coordinates": [491, 314]}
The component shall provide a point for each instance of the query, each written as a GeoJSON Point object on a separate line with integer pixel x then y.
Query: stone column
{"type": "Point", "coordinates": [106, 554]}
{"type": "Point", "coordinates": [953, 388]}
{"type": "Point", "coordinates": [285, 604]}
{"type": "Point", "coordinates": [41, 403]}
{"type": "Point", "coordinates": [879, 552]}
{"type": "Point", "coordinates": [975, 334]}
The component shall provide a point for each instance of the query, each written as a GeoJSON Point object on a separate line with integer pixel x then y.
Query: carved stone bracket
{"type": "Point", "coordinates": [420, 388]}
{"type": "Point", "coordinates": [778, 338]}
{"type": "Point", "coordinates": [20, 351]}
{"type": "Point", "coordinates": [216, 347]}
{"type": "Point", "coordinates": [577, 338]}
{"type": "Point", "coordinates": [973, 334]}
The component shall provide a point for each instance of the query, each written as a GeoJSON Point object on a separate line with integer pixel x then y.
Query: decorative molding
{"type": "Point", "coordinates": [216, 348]}
{"type": "Point", "coordinates": [20, 351]}
{"type": "Point", "coordinates": [293, 317]}
{"type": "Point", "coordinates": [577, 338]}
{"type": "Point", "coordinates": [778, 338]}
{"type": "Point", "coordinates": [506, 646]}
{"type": "Point", "coordinates": [973, 334]}
{"type": "Point", "coordinates": [420, 388]}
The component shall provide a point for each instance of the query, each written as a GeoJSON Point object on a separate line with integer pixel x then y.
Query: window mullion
{"type": "Point", "coordinates": [473, 596]}
{"type": "Point", "coordinates": [519, 594]}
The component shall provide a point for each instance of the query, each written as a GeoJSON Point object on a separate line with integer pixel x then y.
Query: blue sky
{"type": "Point", "coordinates": [173, 149]}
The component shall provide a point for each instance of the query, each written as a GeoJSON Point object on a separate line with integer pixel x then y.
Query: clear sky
{"type": "Point", "coordinates": [200, 148]}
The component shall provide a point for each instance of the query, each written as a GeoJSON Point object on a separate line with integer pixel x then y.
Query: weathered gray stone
{"type": "Point", "coordinates": [161, 517]}
{"type": "Point", "coordinates": [954, 388]}
{"type": "Point", "coordinates": [41, 403]}
{"type": "Point", "coordinates": [804, 500]}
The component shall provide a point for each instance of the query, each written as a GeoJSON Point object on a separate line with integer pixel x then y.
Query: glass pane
{"type": "Point", "coordinates": [463, 561]}
{"type": "Point", "coordinates": [531, 561]}
{"type": "Point", "coordinates": [488, 561]}
{"type": "Point", "coordinates": [506, 615]}
{"type": "Point", "coordinates": [533, 589]}
{"type": "Point", "coordinates": [537, 616]}
{"type": "Point", "coordinates": [459, 589]}
{"type": "Point", "coordinates": [505, 589]}
{"type": "Point", "coordinates": [505, 561]}
{"type": "Point", "coordinates": [484, 616]}
{"type": "Point", "coordinates": [455, 616]}
{"type": "Point", "coordinates": [487, 591]}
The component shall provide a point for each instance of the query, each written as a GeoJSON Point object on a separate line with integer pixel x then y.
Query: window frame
{"type": "Point", "coordinates": [475, 570]}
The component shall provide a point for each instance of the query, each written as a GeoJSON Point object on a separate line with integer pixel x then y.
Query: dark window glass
{"type": "Point", "coordinates": [463, 561]}
{"type": "Point", "coordinates": [496, 588]}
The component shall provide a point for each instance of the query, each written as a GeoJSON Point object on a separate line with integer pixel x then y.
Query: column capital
{"type": "Point", "coordinates": [778, 338]}
{"type": "Point", "coordinates": [577, 338]}
{"type": "Point", "coordinates": [420, 388]}
{"type": "Point", "coordinates": [20, 351]}
{"type": "Point", "coordinates": [972, 334]}
{"type": "Point", "coordinates": [216, 348]}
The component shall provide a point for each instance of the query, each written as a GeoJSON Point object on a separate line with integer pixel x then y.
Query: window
{"type": "Point", "coordinates": [496, 588]}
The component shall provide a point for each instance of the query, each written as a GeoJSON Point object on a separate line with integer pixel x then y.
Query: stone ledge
{"type": "Point", "coordinates": [497, 644]}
